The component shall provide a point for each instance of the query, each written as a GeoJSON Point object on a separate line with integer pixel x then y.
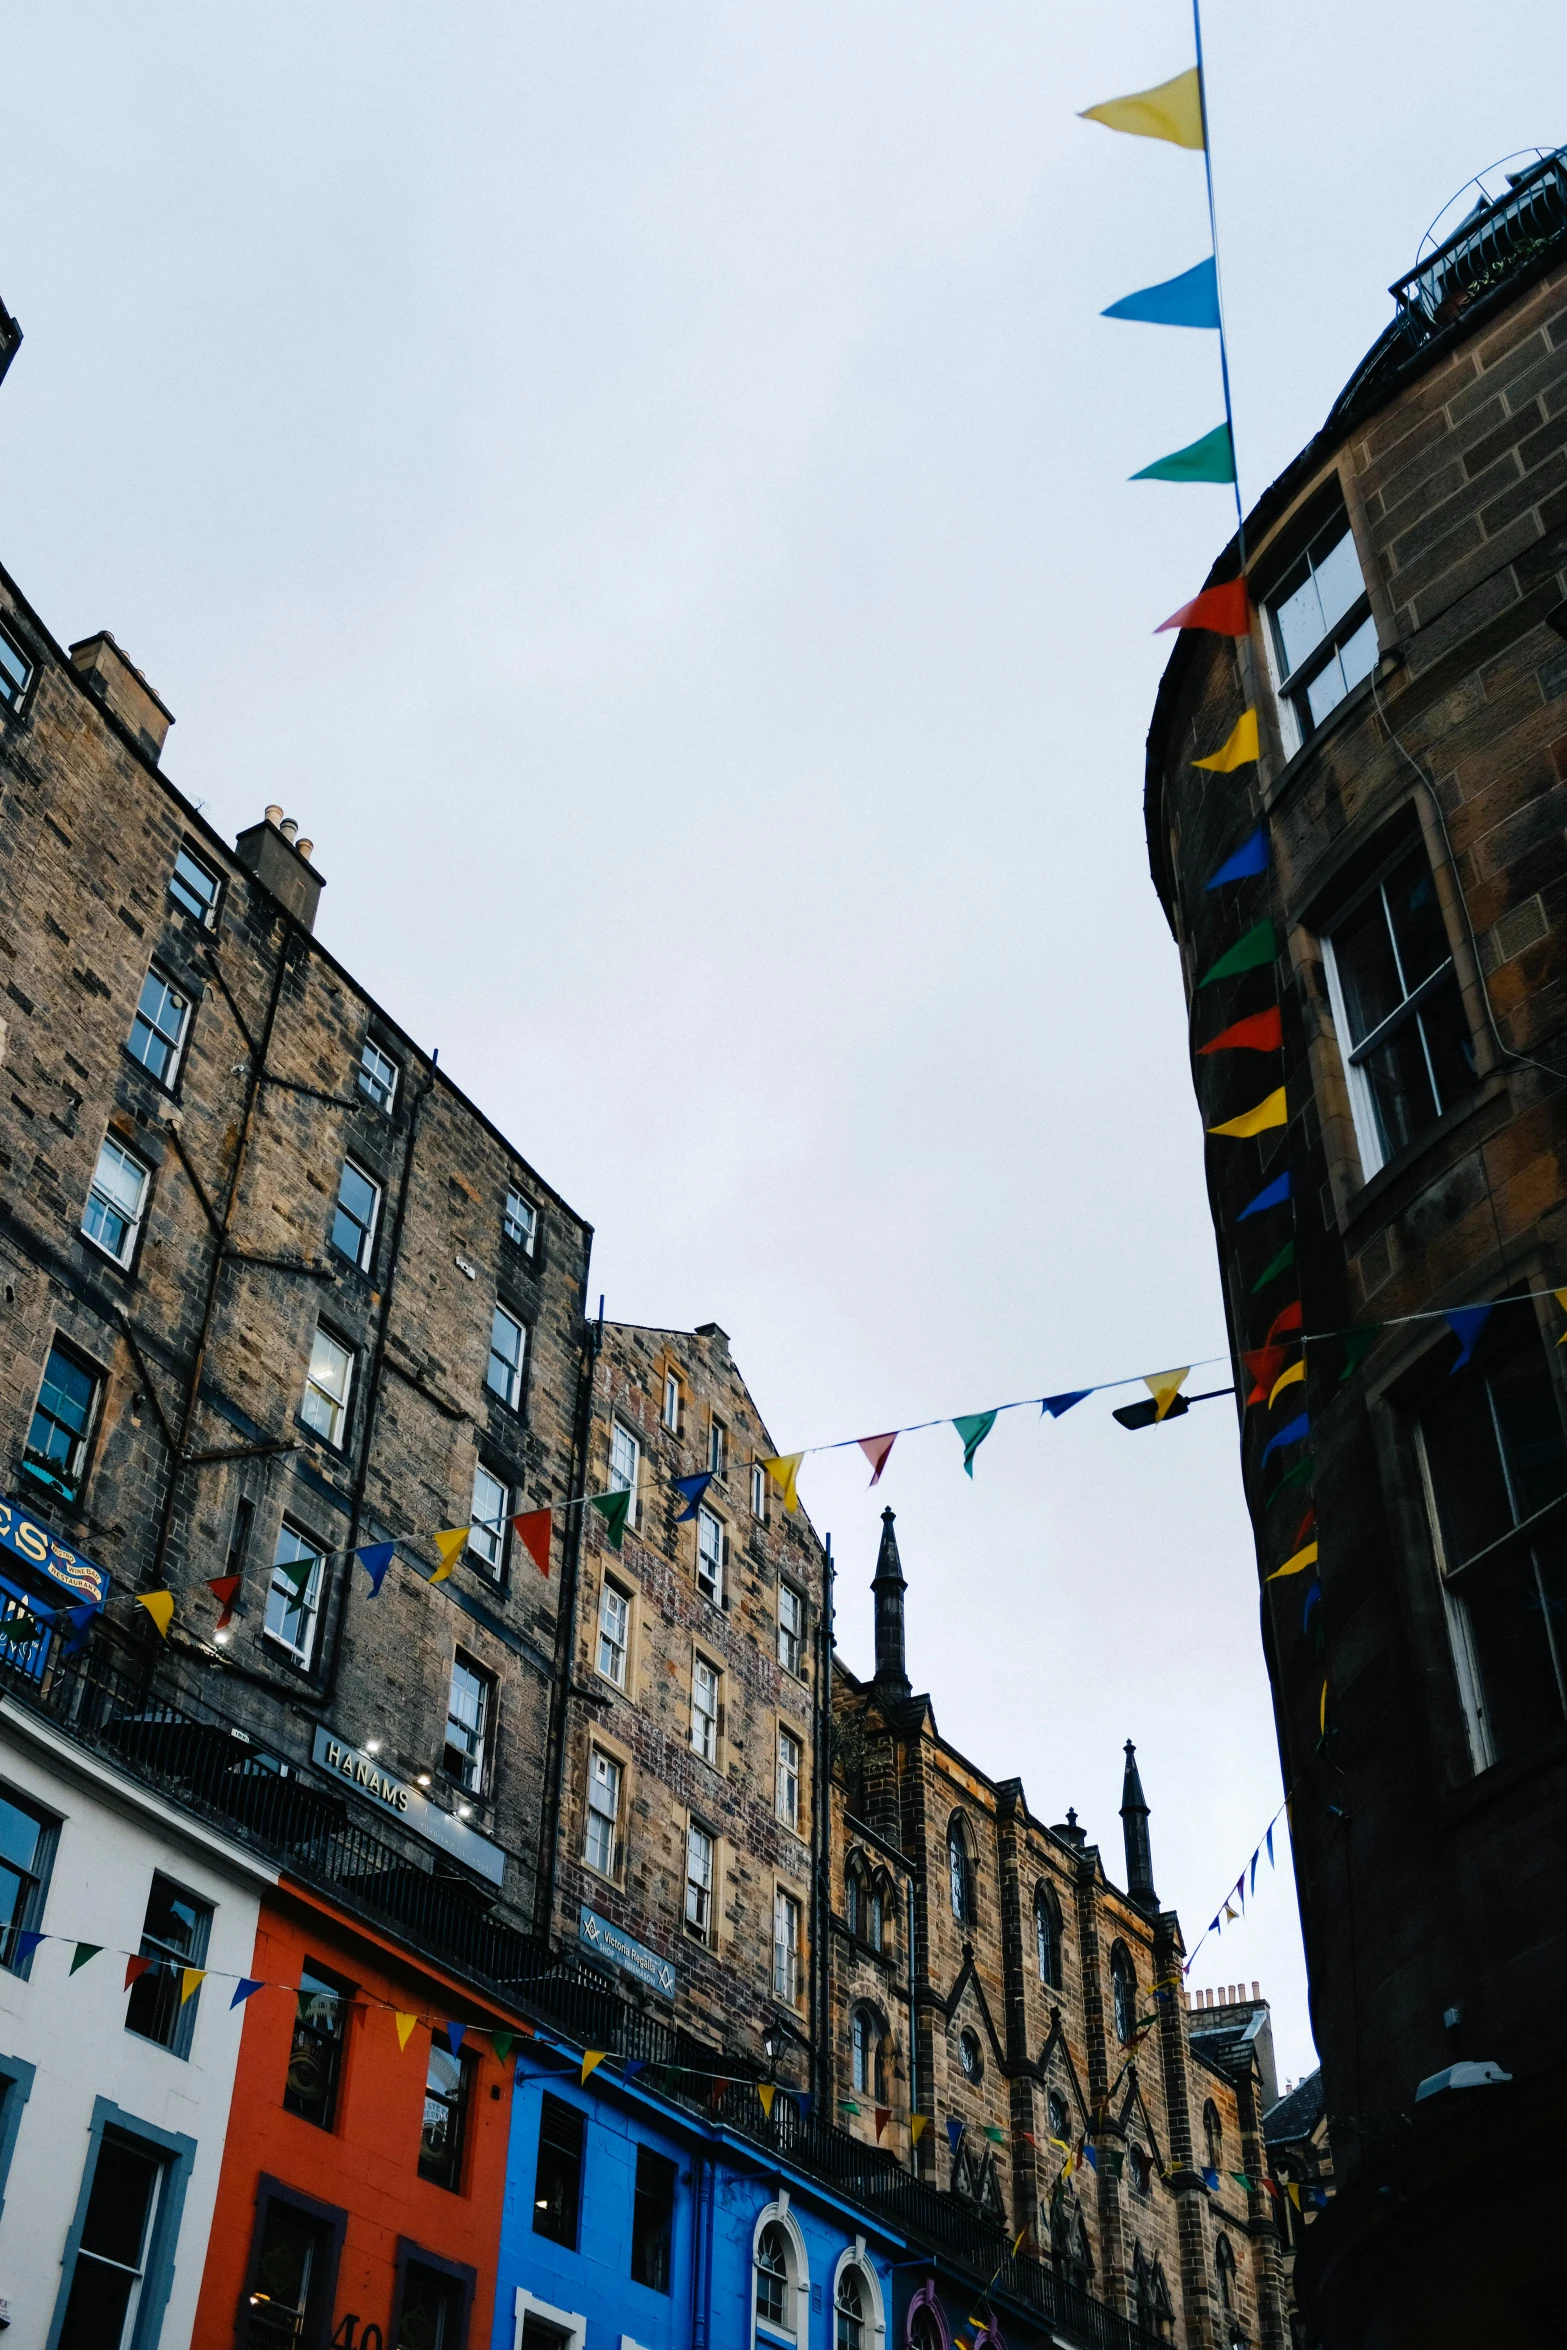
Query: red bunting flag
{"type": "Point", "coordinates": [1226, 609]}
{"type": "Point", "coordinates": [1287, 1319]}
{"type": "Point", "coordinates": [224, 1589]}
{"type": "Point", "coordinates": [883, 2117]}
{"type": "Point", "coordinates": [1263, 1366]}
{"type": "Point", "coordinates": [135, 1968]}
{"type": "Point", "coordinates": [1263, 1032]}
{"type": "Point", "coordinates": [876, 1449]}
{"type": "Point", "coordinates": [1305, 1526]}
{"type": "Point", "coordinates": [533, 1532]}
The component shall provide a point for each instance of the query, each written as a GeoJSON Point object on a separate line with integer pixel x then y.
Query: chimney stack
{"type": "Point", "coordinates": [123, 691]}
{"type": "Point", "coordinates": [280, 861]}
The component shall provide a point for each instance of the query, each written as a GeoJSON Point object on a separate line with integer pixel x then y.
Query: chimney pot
{"type": "Point", "coordinates": [274, 814]}
{"type": "Point", "coordinates": [289, 829]}
{"type": "Point", "coordinates": [304, 847]}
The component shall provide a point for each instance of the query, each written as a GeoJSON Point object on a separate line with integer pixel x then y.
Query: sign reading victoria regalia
{"type": "Point", "coordinates": [617, 1949]}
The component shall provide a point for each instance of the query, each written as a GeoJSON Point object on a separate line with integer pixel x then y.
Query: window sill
{"type": "Point", "coordinates": [1388, 1176]}
{"type": "Point", "coordinates": [1499, 1779]}
{"type": "Point", "coordinates": [1352, 706]}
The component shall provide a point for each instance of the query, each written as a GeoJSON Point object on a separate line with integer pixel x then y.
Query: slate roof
{"type": "Point", "coordinates": [1296, 2115]}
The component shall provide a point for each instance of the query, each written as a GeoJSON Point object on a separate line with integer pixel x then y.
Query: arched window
{"type": "Point", "coordinates": [1123, 1991]}
{"type": "Point", "coordinates": [925, 2327]}
{"type": "Point", "coordinates": [850, 2308]}
{"type": "Point", "coordinates": [868, 2044]}
{"type": "Point", "coordinates": [876, 1914]}
{"type": "Point", "coordinates": [1060, 2117]}
{"type": "Point", "coordinates": [1224, 2270]}
{"type": "Point", "coordinates": [1069, 2241]}
{"type": "Point", "coordinates": [1141, 2169]}
{"type": "Point", "coordinates": [1155, 2311]}
{"type": "Point", "coordinates": [960, 1872]}
{"type": "Point", "coordinates": [1213, 2135]}
{"type": "Point", "coordinates": [774, 2282]}
{"type": "Point", "coordinates": [971, 2056]}
{"type": "Point", "coordinates": [1047, 1938]}
{"type": "Point", "coordinates": [852, 1897]}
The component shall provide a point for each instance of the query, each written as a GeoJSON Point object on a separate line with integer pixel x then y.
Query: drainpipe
{"type": "Point", "coordinates": [566, 1625]}
{"type": "Point", "coordinates": [701, 2248]}
{"type": "Point", "coordinates": [821, 1968]}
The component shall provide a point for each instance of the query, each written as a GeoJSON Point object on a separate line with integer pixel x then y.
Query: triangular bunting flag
{"type": "Point", "coordinates": [1210, 2179]}
{"type": "Point", "coordinates": [26, 1943]}
{"type": "Point", "coordinates": [451, 1542]}
{"type": "Point", "coordinates": [245, 1988]}
{"type": "Point", "coordinates": [1267, 1113]}
{"type": "Point", "coordinates": [1233, 1915]}
{"type": "Point", "coordinates": [160, 1606]}
{"type": "Point", "coordinates": [1238, 749]}
{"type": "Point", "coordinates": [1210, 459]}
{"type": "Point", "coordinates": [877, 1450]}
{"type": "Point", "coordinates": [1293, 1377]}
{"type": "Point", "coordinates": [974, 1427]}
{"type": "Point", "coordinates": [1249, 859]}
{"type": "Point", "coordinates": [592, 2059]}
{"type": "Point", "coordinates": [1466, 1324]}
{"type": "Point", "coordinates": [1165, 1386]}
{"type": "Point", "coordinates": [918, 2124]}
{"type": "Point", "coordinates": [784, 1470]}
{"type": "Point", "coordinates": [1272, 1195]}
{"type": "Point", "coordinates": [1091, 2157]}
{"type": "Point", "coordinates": [1262, 1367]}
{"type": "Point", "coordinates": [847, 2105]}
{"type": "Point", "coordinates": [883, 2115]}
{"type": "Point", "coordinates": [1226, 609]}
{"type": "Point", "coordinates": [455, 2034]}
{"type": "Point", "coordinates": [1560, 1296]}
{"type": "Point", "coordinates": [630, 2066]}
{"type": "Point", "coordinates": [1288, 1318]}
{"type": "Point", "coordinates": [375, 1558]}
{"type": "Point", "coordinates": [1261, 1032]}
{"type": "Point", "coordinates": [1256, 1856]}
{"type": "Point", "coordinates": [1055, 1405]}
{"type": "Point", "coordinates": [135, 1968]}
{"type": "Point", "coordinates": [1295, 1433]}
{"type": "Point", "coordinates": [1256, 947]}
{"type": "Point", "coordinates": [1313, 1599]}
{"type": "Point", "coordinates": [532, 1529]}
{"type": "Point", "coordinates": [614, 1509]}
{"type": "Point", "coordinates": [693, 1489]}
{"type": "Point", "coordinates": [1172, 110]}
{"type": "Point", "coordinates": [1357, 1345]}
{"type": "Point", "coordinates": [1307, 1525]}
{"type": "Point", "coordinates": [80, 1621]}
{"type": "Point", "coordinates": [766, 2092]}
{"type": "Point", "coordinates": [1300, 1474]}
{"type": "Point", "coordinates": [191, 1980]}
{"type": "Point", "coordinates": [1280, 1264]}
{"type": "Point", "coordinates": [82, 1953]}
{"type": "Point", "coordinates": [1296, 1565]}
{"type": "Point", "coordinates": [1268, 1841]}
{"type": "Point", "coordinates": [405, 2025]}
{"type": "Point", "coordinates": [1192, 299]}
{"type": "Point", "coordinates": [503, 2043]}
{"type": "Point", "coordinates": [996, 2137]}
{"type": "Point", "coordinates": [296, 1572]}
{"type": "Point", "coordinates": [803, 2102]}
{"type": "Point", "coordinates": [954, 2133]}
{"type": "Point", "coordinates": [225, 1590]}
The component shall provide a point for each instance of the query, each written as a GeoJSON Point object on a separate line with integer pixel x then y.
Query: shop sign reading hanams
{"type": "Point", "coordinates": [410, 1805]}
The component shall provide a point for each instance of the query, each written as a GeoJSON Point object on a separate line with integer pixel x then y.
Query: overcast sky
{"type": "Point", "coordinates": [645, 486]}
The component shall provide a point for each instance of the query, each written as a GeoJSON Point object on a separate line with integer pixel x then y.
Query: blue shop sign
{"type": "Point", "coordinates": [46, 1554]}
{"type": "Point", "coordinates": [617, 1949]}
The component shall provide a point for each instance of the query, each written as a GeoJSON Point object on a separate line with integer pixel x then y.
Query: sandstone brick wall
{"type": "Point", "coordinates": [211, 1325]}
{"type": "Point", "coordinates": [725, 1978]}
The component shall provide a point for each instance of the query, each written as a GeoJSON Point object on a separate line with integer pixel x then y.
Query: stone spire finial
{"type": "Point", "coordinates": [1134, 1825]}
{"type": "Point", "coordinates": [888, 1586]}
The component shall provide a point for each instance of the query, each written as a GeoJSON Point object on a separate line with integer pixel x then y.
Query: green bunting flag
{"type": "Point", "coordinates": [996, 2137]}
{"type": "Point", "coordinates": [1357, 1345]}
{"type": "Point", "coordinates": [503, 2043]}
{"type": "Point", "coordinates": [973, 1428]}
{"type": "Point", "coordinates": [1281, 1264]}
{"type": "Point", "coordinates": [1259, 946]}
{"type": "Point", "coordinates": [614, 1509]}
{"type": "Point", "coordinates": [1299, 1474]}
{"type": "Point", "coordinates": [1210, 459]}
{"type": "Point", "coordinates": [83, 1952]}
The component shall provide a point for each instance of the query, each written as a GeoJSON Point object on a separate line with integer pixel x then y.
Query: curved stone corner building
{"type": "Point", "coordinates": [1392, 950]}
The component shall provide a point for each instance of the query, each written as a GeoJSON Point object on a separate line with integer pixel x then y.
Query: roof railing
{"type": "Point", "coordinates": [1492, 245]}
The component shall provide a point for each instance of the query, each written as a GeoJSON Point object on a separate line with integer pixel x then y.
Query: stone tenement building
{"type": "Point", "coordinates": [987, 1973]}
{"type": "Point", "coordinates": [273, 1289]}
{"type": "Point", "coordinates": [1404, 656]}
{"type": "Point", "coordinates": [688, 1808]}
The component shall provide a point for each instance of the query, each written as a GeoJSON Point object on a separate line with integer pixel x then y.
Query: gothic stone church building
{"type": "Point", "coordinates": [987, 1973]}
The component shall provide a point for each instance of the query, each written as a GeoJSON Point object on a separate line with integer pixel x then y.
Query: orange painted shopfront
{"type": "Point", "coordinates": [361, 2180]}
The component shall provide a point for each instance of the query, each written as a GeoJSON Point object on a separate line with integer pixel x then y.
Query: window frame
{"type": "Point", "coordinates": [70, 1485]}
{"type": "Point", "coordinates": [412, 2255]}
{"type": "Point", "coordinates": [549, 2106]}
{"type": "Point", "coordinates": [787, 1961]}
{"type": "Point", "coordinates": [308, 1603]}
{"type": "Point", "coordinates": [207, 917]}
{"type": "Point", "coordinates": [1292, 686]}
{"type": "Point", "coordinates": [961, 1887]}
{"type": "Point", "coordinates": [759, 1493]}
{"type": "Point", "coordinates": [609, 1591]}
{"type": "Point", "coordinates": [703, 1668]}
{"type": "Point", "coordinates": [16, 2086]}
{"type": "Point", "coordinates": [640, 2195]}
{"type": "Point", "coordinates": [788, 1778]}
{"type": "Point", "coordinates": [1047, 1934]}
{"type": "Point", "coordinates": [525, 1241]}
{"type": "Point", "coordinates": [335, 1438]}
{"type": "Point", "coordinates": [1123, 1994]}
{"type": "Point", "coordinates": [489, 1529]}
{"type": "Point", "coordinates": [511, 1394]}
{"type": "Point", "coordinates": [794, 2328]}
{"type": "Point", "coordinates": [162, 1979]}
{"type": "Point", "coordinates": [791, 1639]}
{"type": "Point", "coordinates": [717, 1446]}
{"type": "Point", "coordinates": [670, 1413]}
{"type": "Point", "coordinates": [458, 2105]}
{"type": "Point", "coordinates": [620, 1434]}
{"type": "Point", "coordinates": [474, 1775]}
{"type": "Point", "coordinates": [167, 1079]}
{"type": "Point", "coordinates": [35, 1898]}
{"type": "Point", "coordinates": [125, 1255]}
{"type": "Point", "coordinates": [710, 1584]}
{"type": "Point", "coordinates": [330, 2222]}
{"type": "Point", "coordinates": [702, 1927]}
{"type": "Point", "coordinates": [175, 2154]}
{"type": "Point", "coordinates": [598, 1753]}
{"type": "Point", "coordinates": [373, 1092]}
{"type": "Point", "coordinates": [328, 1985]}
{"type": "Point", "coordinates": [362, 1258]}
{"type": "Point", "coordinates": [14, 693]}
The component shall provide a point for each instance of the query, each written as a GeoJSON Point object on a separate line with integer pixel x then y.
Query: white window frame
{"type": "Point", "coordinates": [701, 1928]}
{"type": "Point", "coordinates": [371, 1068]}
{"type": "Point", "coordinates": [786, 1778]}
{"type": "Point", "coordinates": [613, 1634]}
{"type": "Point", "coordinates": [520, 1211]}
{"type": "Point", "coordinates": [717, 1445]}
{"type": "Point", "coordinates": [625, 1477]}
{"type": "Point", "coordinates": [566, 2321]}
{"type": "Point", "coordinates": [671, 1413]}
{"type": "Point", "coordinates": [208, 916]}
{"type": "Point", "coordinates": [710, 1559]}
{"type": "Point", "coordinates": [704, 1722]}
{"type": "Point", "coordinates": [161, 2158]}
{"type": "Point", "coordinates": [596, 1756]}
{"type": "Point", "coordinates": [487, 1534]}
{"type": "Point", "coordinates": [479, 1763]}
{"type": "Point", "coordinates": [791, 1638]}
{"type": "Point", "coordinates": [511, 1394]}
{"type": "Point", "coordinates": [307, 1607]}
{"type": "Point", "coordinates": [854, 2257]}
{"type": "Point", "coordinates": [336, 1406]}
{"type": "Point", "coordinates": [1460, 1635]}
{"type": "Point", "coordinates": [133, 1220]}
{"type": "Point", "coordinates": [364, 1257]}
{"type": "Point", "coordinates": [170, 1077]}
{"type": "Point", "coordinates": [16, 674]}
{"type": "Point", "coordinates": [759, 1493]}
{"type": "Point", "coordinates": [1362, 1103]}
{"type": "Point", "coordinates": [786, 1954]}
{"type": "Point", "coordinates": [1289, 685]}
{"type": "Point", "coordinates": [767, 2337]}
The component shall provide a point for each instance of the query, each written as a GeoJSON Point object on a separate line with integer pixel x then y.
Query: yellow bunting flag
{"type": "Point", "coordinates": [591, 2062]}
{"type": "Point", "coordinates": [1239, 749]}
{"type": "Point", "coordinates": [1296, 1565]}
{"type": "Point", "coordinates": [784, 1470]}
{"type": "Point", "coordinates": [1322, 1713]}
{"type": "Point", "coordinates": [1294, 2194]}
{"type": "Point", "coordinates": [1172, 111]}
{"type": "Point", "coordinates": [1233, 1915]}
{"type": "Point", "coordinates": [191, 1979]}
{"type": "Point", "coordinates": [766, 2092]}
{"type": "Point", "coordinates": [160, 1606]}
{"type": "Point", "coordinates": [918, 2124]}
{"type": "Point", "coordinates": [405, 2025]}
{"type": "Point", "coordinates": [1018, 2245]}
{"type": "Point", "coordinates": [1267, 1113]}
{"type": "Point", "coordinates": [1290, 1378]}
{"type": "Point", "coordinates": [1165, 1386]}
{"type": "Point", "coordinates": [451, 1544]}
{"type": "Point", "coordinates": [1560, 1296]}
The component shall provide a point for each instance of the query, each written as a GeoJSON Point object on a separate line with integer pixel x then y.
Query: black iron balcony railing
{"type": "Point", "coordinates": [1491, 246]}
{"type": "Point", "coordinates": [116, 1705]}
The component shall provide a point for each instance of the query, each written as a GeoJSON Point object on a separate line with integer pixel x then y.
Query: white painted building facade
{"type": "Point", "coordinates": [113, 2102]}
